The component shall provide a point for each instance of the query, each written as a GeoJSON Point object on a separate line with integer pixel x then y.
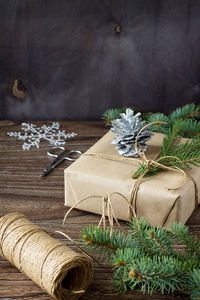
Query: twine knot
{"type": "Point", "coordinates": [105, 198]}
{"type": "Point", "coordinates": [149, 164]}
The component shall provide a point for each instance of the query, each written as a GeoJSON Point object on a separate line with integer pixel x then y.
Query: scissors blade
{"type": "Point", "coordinates": [55, 162]}
{"type": "Point", "coordinates": [46, 171]}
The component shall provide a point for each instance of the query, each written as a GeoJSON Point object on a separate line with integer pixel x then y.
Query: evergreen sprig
{"type": "Point", "coordinates": [105, 241]}
{"type": "Point", "coordinates": [187, 111]}
{"type": "Point", "coordinates": [145, 257]}
{"type": "Point", "coordinates": [174, 152]}
{"type": "Point", "coordinates": [187, 114]}
{"type": "Point", "coordinates": [195, 285]}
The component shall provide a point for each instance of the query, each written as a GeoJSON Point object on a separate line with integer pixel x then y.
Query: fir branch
{"type": "Point", "coordinates": [194, 285]}
{"type": "Point", "coordinates": [172, 138]}
{"type": "Point", "coordinates": [160, 241]}
{"type": "Point", "coordinates": [191, 128]}
{"type": "Point", "coordinates": [158, 117]}
{"type": "Point", "coordinates": [174, 152]}
{"type": "Point", "coordinates": [145, 257]}
{"type": "Point", "coordinates": [184, 154]}
{"type": "Point", "coordinates": [180, 234]}
{"type": "Point", "coordinates": [151, 239]}
{"type": "Point", "coordinates": [185, 112]}
{"type": "Point", "coordinates": [146, 115]}
{"type": "Point", "coordinates": [163, 274]}
{"type": "Point", "coordinates": [94, 238]}
{"type": "Point", "coordinates": [140, 231]}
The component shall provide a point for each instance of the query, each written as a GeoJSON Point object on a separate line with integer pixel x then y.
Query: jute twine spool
{"type": "Point", "coordinates": [57, 269]}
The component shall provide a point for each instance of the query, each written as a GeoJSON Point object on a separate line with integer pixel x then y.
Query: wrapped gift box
{"type": "Point", "coordinates": [97, 176]}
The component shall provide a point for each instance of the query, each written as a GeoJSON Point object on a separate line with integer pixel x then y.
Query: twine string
{"type": "Point", "coordinates": [75, 244]}
{"type": "Point", "coordinates": [107, 209]}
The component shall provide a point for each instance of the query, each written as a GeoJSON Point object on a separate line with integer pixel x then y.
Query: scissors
{"type": "Point", "coordinates": [63, 154]}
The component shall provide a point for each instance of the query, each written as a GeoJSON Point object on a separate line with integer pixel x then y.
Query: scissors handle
{"type": "Point", "coordinates": [72, 152]}
{"type": "Point", "coordinates": [59, 157]}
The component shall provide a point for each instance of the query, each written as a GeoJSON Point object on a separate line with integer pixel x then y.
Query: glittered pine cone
{"type": "Point", "coordinates": [127, 129]}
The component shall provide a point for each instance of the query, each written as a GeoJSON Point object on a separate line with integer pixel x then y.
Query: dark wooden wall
{"type": "Point", "coordinates": [73, 62]}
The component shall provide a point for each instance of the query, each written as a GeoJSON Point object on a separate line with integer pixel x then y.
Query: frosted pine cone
{"type": "Point", "coordinates": [127, 129]}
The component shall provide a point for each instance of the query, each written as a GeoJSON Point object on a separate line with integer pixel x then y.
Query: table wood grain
{"type": "Point", "coordinates": [42, 200]}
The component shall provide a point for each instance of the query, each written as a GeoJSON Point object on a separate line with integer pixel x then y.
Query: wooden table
{"type": "Point", "coordinates": [41, 199]}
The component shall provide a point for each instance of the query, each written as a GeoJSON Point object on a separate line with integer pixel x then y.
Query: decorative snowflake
{"type": "Point", "coordinates": [34, 134]}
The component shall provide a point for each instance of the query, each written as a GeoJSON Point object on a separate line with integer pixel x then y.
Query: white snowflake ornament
{"type": "Point", "coordinates": [33, 135]}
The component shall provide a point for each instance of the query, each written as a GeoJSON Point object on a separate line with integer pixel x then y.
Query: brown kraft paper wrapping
{"type": "Point", "coordinates": [91, 175]}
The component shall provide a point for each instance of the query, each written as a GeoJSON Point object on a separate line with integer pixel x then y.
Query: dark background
{"type": "Point", "coordinates": [74, 65]}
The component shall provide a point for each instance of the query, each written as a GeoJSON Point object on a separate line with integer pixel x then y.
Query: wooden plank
{"type": "Point", "coordinates": [42, 199]}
